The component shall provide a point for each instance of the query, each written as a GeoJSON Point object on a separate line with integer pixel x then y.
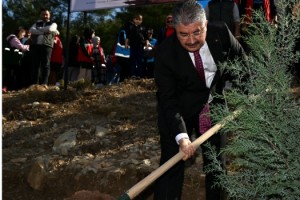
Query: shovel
{"type": "Point", "coordinates": [148, 180]}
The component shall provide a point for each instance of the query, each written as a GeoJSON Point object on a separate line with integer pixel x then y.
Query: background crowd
{"type": "Point", "coordinates": [41, 56]}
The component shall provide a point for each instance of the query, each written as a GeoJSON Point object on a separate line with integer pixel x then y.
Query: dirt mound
{"type": "Point", "coordinates": [90, 195]}
{"type": "Point", "coordinates": [81, 142]}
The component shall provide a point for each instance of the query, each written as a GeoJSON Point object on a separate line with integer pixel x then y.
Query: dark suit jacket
{"type": "Point", "coordinates": [181, 95]}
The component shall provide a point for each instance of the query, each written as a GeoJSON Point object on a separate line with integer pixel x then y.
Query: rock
{"type": "Point", "coordinates": [37, 136]}
{"type": "Point", "coordinates": [35, 104]}
{"type": "Point", "coordinates": [112, 115]}
{"type": "Point", "coordinates": [100, 131]}
{"type": "Point", "coordinates": [89, 169]}
{"type": "Point", "coordinates": [147, 162]}
{"type": "Point", "coordinates": [134, 161]}
{"type": "Point", "coordinates": [37, 88]}
{"type": "Point", "coordinates": [89, 195]}
{"type": "Point", "coordinates": [45, 104]}
{"type": "Point", "coordinates": [19, 160]}
{"type": "Point", "coordinates": [24, 123]}
{"type": "Point", "coordinates": [37, 175]}
{"type": "Point", "coordinates": [65, 142]}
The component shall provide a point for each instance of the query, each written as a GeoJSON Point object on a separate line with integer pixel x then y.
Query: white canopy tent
{"type": "Point", "coordinates": [84, 5]}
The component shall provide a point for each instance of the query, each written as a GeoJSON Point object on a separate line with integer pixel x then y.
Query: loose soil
{"type": "Point", "coordinates": [32, 120]}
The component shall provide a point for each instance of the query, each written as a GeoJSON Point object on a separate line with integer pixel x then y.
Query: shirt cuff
{"type": "Point", "coordinates": [180, 136]}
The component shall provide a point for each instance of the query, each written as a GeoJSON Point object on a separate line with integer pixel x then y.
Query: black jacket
{"type": "Point", "coordinates": [181, 94]}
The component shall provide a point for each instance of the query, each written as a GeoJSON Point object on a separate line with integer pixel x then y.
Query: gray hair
{"type": "Point", "coordinates": [95, 40]}
{"type": "Point", "coordinates": [188, 12]}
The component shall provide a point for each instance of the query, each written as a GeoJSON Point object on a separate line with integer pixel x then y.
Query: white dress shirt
{"type": "Point", "coordinates": [210, 69]}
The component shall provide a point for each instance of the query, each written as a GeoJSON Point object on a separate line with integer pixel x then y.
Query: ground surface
{"type": "Point", "coordinates": [115, 144]}
{"type": "Point", "coordinates": [112, 143]}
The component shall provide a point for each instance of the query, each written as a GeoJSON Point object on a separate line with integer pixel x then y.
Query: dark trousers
{"type": "Point", "coordinates": [113, 74]}
{"type": "Point", "coordinates": [99, 75]}
{"type": "Point", "coordinates": [40, 68]}
{"type": "Point", "coordinates": [136, 61]}
{"type": "Point", "coordinates": [148, 69]}
{"type": "Point", "coordinates": [125, 68]}
{"type": "Point", "coordinates": [26, 67]}
{"type": "Point", "coordinates": [10, 76]}
{"type": "Point", "coordinates": [56, 73]}
{"type": "Point", "coordinates": [169, 185]}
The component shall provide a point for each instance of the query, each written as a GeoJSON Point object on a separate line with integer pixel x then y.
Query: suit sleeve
{"type": "Point", "coordinates": [229, 43]}
{"type": "Point", "coordinates": [228, 49]}
{"type": "Point", "coordinates": [168, 107]}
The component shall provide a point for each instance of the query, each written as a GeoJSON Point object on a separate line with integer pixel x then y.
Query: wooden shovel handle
{"type": "Point", "coordinates": [144, 183]}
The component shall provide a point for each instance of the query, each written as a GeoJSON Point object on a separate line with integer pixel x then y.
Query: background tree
{"type": "Point", "coordinates": [263, 148]}
{"type": "Point", "coordinates": [26, 12]}
{"type": "Point", "coordinates": [106, 22]}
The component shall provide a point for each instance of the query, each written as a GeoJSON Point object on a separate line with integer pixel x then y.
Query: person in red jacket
{"type": "Point", "coordinates": [99, 70]}
{"type": "Point", "coordinates": [85, 54]}
{"type": "Point", "coordinates": [247, 9]}
{"type": "Point", "coordinates": [166, 30]}
{"type": "Point", "coordinates": [56, 61]}
{"type": "Point", "coordinates": [248, 6]}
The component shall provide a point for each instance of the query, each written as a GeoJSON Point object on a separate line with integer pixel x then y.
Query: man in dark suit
{"type": "Point", "coordinates": [183, 94]}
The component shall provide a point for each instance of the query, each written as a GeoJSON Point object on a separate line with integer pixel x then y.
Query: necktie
{"type": "Point", "coordinates": [204, 118]}
{"type": "Point", "coordinates": [199, 65]}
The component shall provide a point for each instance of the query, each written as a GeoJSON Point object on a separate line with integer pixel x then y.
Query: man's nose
{"type": "Point", "coordinates": [191, 39]}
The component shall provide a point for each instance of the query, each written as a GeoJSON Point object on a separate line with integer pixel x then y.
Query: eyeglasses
{"type": "Point", "coordinates": [169, 22]}
{"type": "Point", "coordinates": [185, 36]}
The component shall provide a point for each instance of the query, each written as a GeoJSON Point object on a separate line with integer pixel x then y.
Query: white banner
{"type": "Point", "coordinates": [84, 5]}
